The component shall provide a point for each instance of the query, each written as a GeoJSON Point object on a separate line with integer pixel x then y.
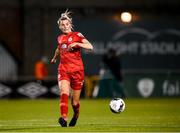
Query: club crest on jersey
{"type": "Point", "coordinates": [63, 46]}
{"type": "Point", "coordinates": [70, 39]}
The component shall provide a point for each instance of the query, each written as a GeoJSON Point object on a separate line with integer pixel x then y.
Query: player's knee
{"type": "Point", "coordinates": [64, 91]}
{"type": "Point", "coordinates": [75, 101]}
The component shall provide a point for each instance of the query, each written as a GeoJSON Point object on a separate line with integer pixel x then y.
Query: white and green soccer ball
{"type": "Point", "coordinates": [117, 105]}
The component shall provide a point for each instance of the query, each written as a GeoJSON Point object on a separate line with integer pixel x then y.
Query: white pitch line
{"type": "Point", "coordinates": [56, 125]}
{"type": "Point", "coordinates": [30, 125]}
{"type": "Point", "coordinates": [92, 132]}
{"type": "Point", "coordinates": [28, 120]}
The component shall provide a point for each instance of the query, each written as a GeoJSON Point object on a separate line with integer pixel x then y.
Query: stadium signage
{"type": "Point", "coordinates": [140, 41]}
{"type": "Point", "coordinates": [32, 90]}
{"type": "Point", "coordinates": [171, 88]}
{"type": "Point", "coordinates": [141, 48]}
{"type": "Point", "coordinates": [145, 87]}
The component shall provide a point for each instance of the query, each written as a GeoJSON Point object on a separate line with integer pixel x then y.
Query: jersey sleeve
{"type": "Point", "coordinates": [59, 39]}
{"type": "Point", "coordinates": [81, 37]}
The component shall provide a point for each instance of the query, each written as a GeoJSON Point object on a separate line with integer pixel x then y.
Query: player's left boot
{"type": "Point", "coordinates": [73, 122]}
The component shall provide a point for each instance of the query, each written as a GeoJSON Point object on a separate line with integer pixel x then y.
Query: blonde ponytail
{"type": "Point", "coordinates": [65, 16]}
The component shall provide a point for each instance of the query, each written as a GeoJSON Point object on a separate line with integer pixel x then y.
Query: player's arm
{"type": "Point", "coordinates": [84, 44]}
{"type": "Point", "coordinates": [56, 54]}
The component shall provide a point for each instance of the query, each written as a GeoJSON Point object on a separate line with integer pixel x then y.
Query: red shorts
{"type": "Point", "coordinates": [76, 79]}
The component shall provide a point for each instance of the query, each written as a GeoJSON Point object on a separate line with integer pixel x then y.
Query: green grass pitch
{"type": "Point", "coordinates": [140, 115]}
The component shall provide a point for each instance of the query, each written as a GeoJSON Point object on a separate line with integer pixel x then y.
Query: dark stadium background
{"type": "Point", "coordinates": [150, 47]}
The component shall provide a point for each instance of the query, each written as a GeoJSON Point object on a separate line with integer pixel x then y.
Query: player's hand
{"type": "Point", "coordinates": [71, 46]}
{"type": "Point", "coordinates": [53, 61]}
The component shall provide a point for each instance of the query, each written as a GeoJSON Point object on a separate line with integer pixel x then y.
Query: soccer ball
{"type": "Point", "coordinates": [117, 105]}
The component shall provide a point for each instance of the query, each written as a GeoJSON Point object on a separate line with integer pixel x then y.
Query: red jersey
{"type": "Point", "coordinates": [70, 61]}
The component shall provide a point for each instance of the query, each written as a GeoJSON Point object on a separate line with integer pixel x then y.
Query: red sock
{"type": "Point", "coordinates": [64, 106]}
{"type": "Point", "coordinates": [76, 110]}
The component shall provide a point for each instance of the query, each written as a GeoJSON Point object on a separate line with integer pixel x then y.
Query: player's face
{"type": "Point", "coordinates": [65, 26]}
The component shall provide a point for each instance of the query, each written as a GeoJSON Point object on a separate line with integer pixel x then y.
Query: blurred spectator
{"type": "Point", "coordinates": [112, 60]}
{"type": "Point", "coordinates": [41, 69]}
{"type": "Point", "coordinates": [110, 84]}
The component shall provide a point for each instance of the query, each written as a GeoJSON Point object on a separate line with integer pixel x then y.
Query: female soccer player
{"type": "Point", "coordinates": [71, 69]}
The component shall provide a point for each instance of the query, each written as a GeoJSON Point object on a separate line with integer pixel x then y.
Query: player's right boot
{"type": "Point", "coordinates": [62, 122]}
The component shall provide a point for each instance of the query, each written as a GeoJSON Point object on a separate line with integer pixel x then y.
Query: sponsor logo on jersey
{"type": "Point", "coordinates": [63, 46]}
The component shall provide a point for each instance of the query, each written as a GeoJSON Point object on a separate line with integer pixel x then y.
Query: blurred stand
{"type": "Point", "coordinates": [8, 65]}
{"type": "Point", "coordinates": [149, 44]}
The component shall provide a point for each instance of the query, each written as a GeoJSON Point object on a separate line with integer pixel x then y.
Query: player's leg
{"type": "Point", "coordinates": [76, 85]}
{"type": "Point", "coordinates": [64, 86]}
{"type": "Point", "coordinates": [75, 102]}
